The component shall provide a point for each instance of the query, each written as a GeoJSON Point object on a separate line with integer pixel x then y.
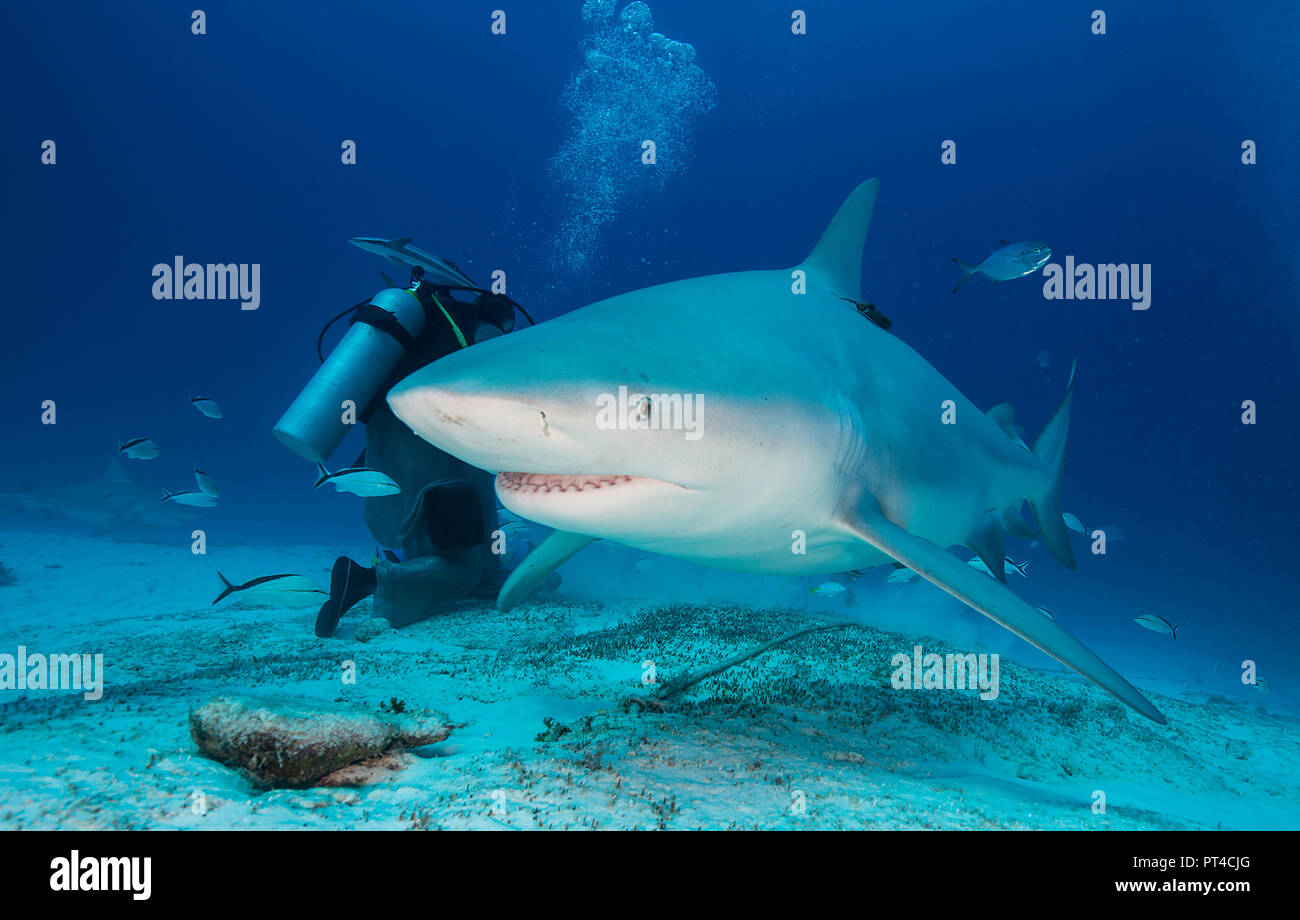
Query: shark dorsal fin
{"type": "Point", "coordinates": [836, 260]}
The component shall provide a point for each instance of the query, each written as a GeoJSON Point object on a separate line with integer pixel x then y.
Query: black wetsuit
{"type": "Point", "coordinates": [443, 518]}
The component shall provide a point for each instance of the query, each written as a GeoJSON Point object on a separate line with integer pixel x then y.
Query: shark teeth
{"type": "Point", "coordinates": [554, 482]}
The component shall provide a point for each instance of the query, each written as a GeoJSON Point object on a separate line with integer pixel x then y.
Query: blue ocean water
{"type": "Point", "coordinates": [521, 152]}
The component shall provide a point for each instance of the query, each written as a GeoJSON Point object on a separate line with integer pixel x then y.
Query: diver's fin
{"type": "Point", "coordinates": [968, 269]}
{"type": "Point", "coordinates": [991, 599]}
{"type": "Point", "coordinates": [1050, 448]}
{"type": "Point", "coordinates": [553, 552]}
{"type": "Point", "coordinates": [837, 258]}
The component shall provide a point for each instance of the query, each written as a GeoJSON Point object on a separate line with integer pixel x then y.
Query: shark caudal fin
{"type": "Point", "coordinates": [1050, 448]}
{"type": "Point", "coordinates": [836, 260]}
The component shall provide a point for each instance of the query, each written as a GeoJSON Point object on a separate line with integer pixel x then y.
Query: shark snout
{"type": "Point", "coordinates": [481, 428]}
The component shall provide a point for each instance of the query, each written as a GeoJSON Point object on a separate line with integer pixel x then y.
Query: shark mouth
{"type": "Point", "coordinates": [555, 482]}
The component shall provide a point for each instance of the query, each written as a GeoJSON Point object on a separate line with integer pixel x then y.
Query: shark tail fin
{"type": "Point", "coordinates": [1050, 448]}
{"type": "Point", "coordinates": [837, 258]}
{"type": "Point", "coordinates": [229, 588]}
{"type": "Point", "coordinates": [968, 269]}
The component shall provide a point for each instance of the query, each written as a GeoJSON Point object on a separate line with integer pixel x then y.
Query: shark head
{"type": "Point", "coordinates": [642, 419]}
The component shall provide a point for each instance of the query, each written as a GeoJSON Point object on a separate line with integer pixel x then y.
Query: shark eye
{"type": "Point", "coordinates": [643, 409]}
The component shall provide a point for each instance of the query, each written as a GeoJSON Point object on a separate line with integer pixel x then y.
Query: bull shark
{"type": "Point", "coordinates": [106, 505]}
{"type": "Point", "coordinates": [823, 443]}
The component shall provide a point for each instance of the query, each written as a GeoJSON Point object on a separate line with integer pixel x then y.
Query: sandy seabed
{"type": "Point", "coordinates": [808, 735]}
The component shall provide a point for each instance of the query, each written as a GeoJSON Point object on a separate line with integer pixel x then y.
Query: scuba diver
{"type": "Point", "coordinates": [443, 517]}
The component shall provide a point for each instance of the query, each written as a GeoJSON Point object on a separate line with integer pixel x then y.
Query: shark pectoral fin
{"type": "Point", "coordinates": [995, 602]}
{"type": "Point", "coordinates": [553, 552]}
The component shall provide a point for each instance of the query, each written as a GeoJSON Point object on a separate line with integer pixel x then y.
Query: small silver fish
{"type": "Point", "coordinates": [1047, 613]}
{"type": "Point", "coordinates": [207, 406]}
{"type": "Point", "coordinates": [205, 483]}
{"type": "Point", "coordinates": [1011, 260]}
{"type": "Point", "coordinates": [1072, 522]}
{"type": "Point", "coordinates": [358, 480]}
{"type": "Point", "coordinates": [1157, 624]}
{"type": "Point", "coordinates": [828, 589]}
{"type": "Point", "coordinates": [193, 498]}
{"type": "Point", "coordinates": [138, 449]}
{"type": "Point", "coordinates": [1021, 567]}
{"type": "Point", "coordinates": [287, 590]}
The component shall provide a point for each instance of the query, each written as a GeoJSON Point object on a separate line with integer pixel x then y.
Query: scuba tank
{"type": "Point", "coordinates": [382, 331]}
